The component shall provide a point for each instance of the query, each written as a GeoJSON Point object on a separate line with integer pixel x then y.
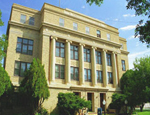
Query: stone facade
{"type": "Point", "coordinates": [46, 31]}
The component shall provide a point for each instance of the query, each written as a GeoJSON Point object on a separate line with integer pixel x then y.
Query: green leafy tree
{"type": "Point", "coordinates": [141, 7]}
{"type": "Point", "coordinates": [3, 41]}
{"type": "Point", "coordinates": [34, 85]}
{"type": "Point", "coordinates": [69, 103]}
{"type": "Point", "coordinates": [117, 101]}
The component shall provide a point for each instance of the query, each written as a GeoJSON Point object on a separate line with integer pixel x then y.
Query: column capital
{"type": "Point", "coordinates": [69, 41]}
{"type": "Point", "coordinates": [114, 53]}
{"type": "Point", "coordinates": [104, 50]}
{"type": "Point", "coordinates": [81, 44]}
{"type": "Point", "coordinates": [53, 37]}
{"type": "Point", "coordinates": [93, 47]}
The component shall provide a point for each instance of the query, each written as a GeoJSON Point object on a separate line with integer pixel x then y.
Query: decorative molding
{"type": "Point", "coordinates": [69, 41]}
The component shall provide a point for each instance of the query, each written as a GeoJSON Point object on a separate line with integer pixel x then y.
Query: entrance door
{"type": "Point", "coordinates": [89, 97]}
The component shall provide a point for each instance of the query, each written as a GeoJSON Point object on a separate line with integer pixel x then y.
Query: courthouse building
{"type": "Point", "coordinates": [80, 54]}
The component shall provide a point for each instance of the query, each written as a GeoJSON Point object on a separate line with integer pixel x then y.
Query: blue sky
{"type": "Point", "coordinates": [112, 12]}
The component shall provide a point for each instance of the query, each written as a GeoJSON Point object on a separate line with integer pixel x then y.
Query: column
{"type": "Point", "coordinates": [52, 58]}
{"type": "Point", "coordinates": [81, 64]}
{"type": "Point", "coordinates": [104, 65]}
{"type": "Point", "coordinates": [67, 61]}
{"type": "Point", "coordinates": [115, 79]}
{"type": "Point", "coordinates": [93, 61]}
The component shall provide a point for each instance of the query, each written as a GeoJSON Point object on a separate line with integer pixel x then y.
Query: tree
{"type": "Point", "coordinates": [135, 84]}
{"type": "Point", "coordinates": [69, 103]}
{"type": "Point", "coordinates": [117, 101]}
{"type": "Point", "coordinates": [3, 41]}
{"type": "Point", "coordinates": [141, 7]}
{"type": "Point", "coordinates": [34, 85]}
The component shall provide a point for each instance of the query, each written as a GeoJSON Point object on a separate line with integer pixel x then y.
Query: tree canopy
{"type": "Point", "coordinates": [141, 7]}
{"type": "Point", "coordinates": [3, 41]}
{"type": "Point", "coordinates": [135, 84]}
{"type": "Point", "coordinates": [34, 85]}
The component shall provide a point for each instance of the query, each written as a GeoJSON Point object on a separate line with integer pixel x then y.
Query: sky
{"type": "Point", "coordinates": [112, 12]}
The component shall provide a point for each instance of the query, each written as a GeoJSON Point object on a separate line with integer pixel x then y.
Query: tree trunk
{"type": "Point", "coordinates": [141, 107]}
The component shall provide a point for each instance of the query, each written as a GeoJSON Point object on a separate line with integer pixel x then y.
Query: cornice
{"type": "Point", "coordinates": [88, 36]}
{"type": "Point", "coordinates": [23, 25]}
{"type": "Point", "coordinates": [124, 52]}
{"type": "Point", "coordinates": [20, 7]}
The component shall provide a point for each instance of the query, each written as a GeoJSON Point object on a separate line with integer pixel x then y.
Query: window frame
{"type": "Point", "coordinates": [60, 49]}
{"type": "Point", "coordinates": [98, 35]}
{"type": "Point", "coordinates": [24, 21]}
{"type": "Point", "coordinates": [61, 22]}
{"type": "Point", "coordinates": [25, 44]}
{"type": "Point", "coordinates": [86, 55]}
{"type": "Point", "coordinates": [110, 77]}
{"type": "Point", "coordinates": [31, 22]}
{"type": "Point", "coordinates": [99, 74]}
{"type": "Point", "coordinates": [123, 65]}
{"type": "Point", "coordinates": [97, 56]}
{"type": "Point", "coordinates": [74, 51]}
{"type": "Point", "coordinates": [59, 72]}
{"type": "Point", "coordinates": [75, 78]}
{"type": "Point", "coordinates": [19, 70]}
{"type": "Point", "coordinates": [87, 75]}
{"type": "Point", "coordinates": [109, 64]}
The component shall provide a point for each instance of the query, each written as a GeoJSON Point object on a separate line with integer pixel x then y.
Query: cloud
{"type": "Point", "coordinates": [137, 55]}
{"type": "Point", "coordinates": [83, 7]}
{"type": "Point", "coordinates": [130, 27]}
{"type": "Point", "coordinates": [116, 19]}
{"type": "Point", "coordinates": [128, 15]}
{"type": "Point", "coordinates": [133, 37]}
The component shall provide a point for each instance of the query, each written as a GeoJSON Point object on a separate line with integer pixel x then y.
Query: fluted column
{"type": "Point", "coordinates": [93, 60]}
{"type": "Point", "coordinates": [81, 63]}
{"type": "Point", "coordinates": [67, 61]}
{"type": "Point", "coordinates": [115, 79]}
{"type": "Point", "coordinates": [52, 58]}
{"type": "Point", "coordinates": [104, 65]}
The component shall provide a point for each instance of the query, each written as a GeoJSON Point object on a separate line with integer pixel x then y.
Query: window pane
{"type": "Point", "coordinates": [108, 36]}
{"type": "Point", "coordinates": [62, 45]}
{"type": "Point", "coordinates": [85, 75]}
{"type": "Point", "coordinates": [57, 44]}
{"type": "Point", "coordinates": [57, 52]}
{"type": "Point", "coordinates": [61, 22]}
{"type": "Point", "coordinates": [87, 30]}
{"type": "Point", "coordinates": [28, 66]}
{"type": "Point", "coordinates": [71, 72]}
{"type": "Point", "coordinates": [17, 66]}
{"type": "Point", "coordinates": [71, 54]}
{"type": "Point", "coordinates": [31, 42]}
{"type": "Point", "coordinates": [31, 21]}
{"type": "Point", "coordinates": [62, 52]}
{"type": "Point", "coordinates": [56, 71]}
{"type": "Point", "coordinates": [89, 75]}
{"type": "Point", "coordinates": [30, 49]}
{"type": "Point", "coordinates": [75, 26]}
{"type": "Point", "coordinates": [19, 40]}
{"type": "Point", "coordinates": [23, 19]}
{"type": "Point", "coordinates": [88, 58]}
{"type": "Point", "coordinates": [23, 68]}
{"type": "Point", "coordinates": [71, 47]}
{"type": "Point", "coordinates": [76, 74]}
{"type": "Point", "coordinates": [25, 41]}
{"type": "Point", "coordinates": [76, 55]}
{"type": "Point", "coordinates": [18, 47]}
{"type": "Point", "coordinates": [62, 72]}
{"type": "Point", "coordinates": [24, 49]}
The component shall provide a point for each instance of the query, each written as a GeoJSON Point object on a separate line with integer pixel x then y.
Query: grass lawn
{"type": "Point", "coordinates": [144, 112]}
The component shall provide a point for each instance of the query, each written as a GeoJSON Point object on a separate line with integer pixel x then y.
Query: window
{"type": "Point", "coordinates": [98, 57]}
{"type": "Point", "coordinates": [61, 22]}
{"type": "Point", "coordinates": [60, 49]}
{"type": "Point", "coordinates": [24, 46]}
{"type": "Point", "coordinates": [23, 19]}
{"type": "Point", "coordinates": [99, 76]}
{"type": "Point", "coordinates": [110, 78]}
{"type": "Point", "coordinates": [59, 71]}
{"type": "Point", "coordinates": [108, 37]}
{"type": "Point", "coordinates": [98, 34]}
{"type": "Point", "coordinates": [31, 21]}
{"type": "Point", "coordinates": [74, 73]}
{"type": "Point", "coordinates": [75, 26]}
{"type": "Point", "coordinates": [87, 75]}
{"type": "Point", "coordinates": [123, 65]}
{"type": "Point", "coordinates": [108, 59]}
{"type": "Point", "coordinates": [121, 46]}
{"type": "Point", "coordinates": [87, 55]}
{"type": "Point", "coordinates": [20, 68]}
{"type": "Point", "coordinates": [74, 52]}
{"type": "Point", "coordinates": [87, 30]}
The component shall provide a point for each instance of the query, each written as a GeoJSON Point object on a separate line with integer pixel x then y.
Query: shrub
{"type": "Point", "coordinates": [69, 103]}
